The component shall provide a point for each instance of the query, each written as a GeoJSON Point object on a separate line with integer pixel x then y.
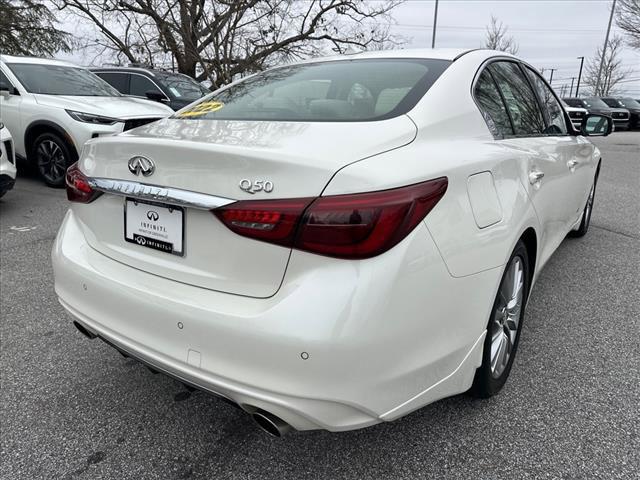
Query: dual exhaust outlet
{"type": "Point", "coordinates": [267, 422]}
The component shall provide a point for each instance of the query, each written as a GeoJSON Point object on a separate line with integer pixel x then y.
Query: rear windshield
{"type": "Point", "coordinates": [337, 91]}
{"type": "Point", "coordinates": [61, 80]}
{"type": "Point", "coordinates": [181, 86]}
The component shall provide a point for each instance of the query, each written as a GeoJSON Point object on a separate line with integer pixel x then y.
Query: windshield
{"type": "Point", "coordinates": [574, 102]}
{"type": "Point", "coordinates": [61, 80]}
{"type": "Point", "coordinates": [594, 102]}
{"type": "Point", "coordinates": [344, 90]}
{"type": "Point", "coordinates": [182, 87]}
{"type": "Point", "coordinates": [629, 103]}
{"type": "Point", "coordinates": [612, 102]}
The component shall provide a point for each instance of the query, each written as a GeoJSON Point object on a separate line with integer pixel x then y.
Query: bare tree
{"type": "Point", "coordinates": [613, 71]}
{"type": "Point", "coordinates": [28, 28]}
{"type": "Point", "coordinates": [497, 39]}
{"type": "Point", "coordinates": [220, 39]}
{"type": "Point", "coordinates": [628, 19]}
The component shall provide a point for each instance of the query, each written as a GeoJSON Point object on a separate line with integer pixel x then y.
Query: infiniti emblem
{"type": "Point", "coordinates": [153, 215]}
{"type": "Point", "coordinates": [139, 164]}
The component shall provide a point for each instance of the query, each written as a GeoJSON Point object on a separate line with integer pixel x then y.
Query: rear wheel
{"type": "Point", "coordinates": [505, 324]}
{"type": "Point", "coordinates": [52, 158]}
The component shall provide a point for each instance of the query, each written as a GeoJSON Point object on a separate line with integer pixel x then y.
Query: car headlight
{"type": "Point", "coordinates": [91, 118]}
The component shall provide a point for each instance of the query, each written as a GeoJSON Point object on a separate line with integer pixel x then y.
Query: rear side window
{"type": "Point", "coordinates": [492, 107]}
{"type": "Point", "coordinates": [556, 124]}
{"type": "Point", "coordinates": [520, 98]}
{"type": "Point", "coordinates": [344, 90]}
{"type": "Point", "coordinates": [119, 81]}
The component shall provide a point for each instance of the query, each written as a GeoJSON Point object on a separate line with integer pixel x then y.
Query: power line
{"type": "Point", "coordinates": [469, 27]}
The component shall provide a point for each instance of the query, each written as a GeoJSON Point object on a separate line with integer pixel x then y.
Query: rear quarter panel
{"type": "Point", "coordinates": [465, 247]}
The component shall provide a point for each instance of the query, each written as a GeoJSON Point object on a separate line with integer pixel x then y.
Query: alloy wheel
{"type": "Point", "coordinates": [52, 163]}
{"type": "Point", "coordinates": [506, 317]}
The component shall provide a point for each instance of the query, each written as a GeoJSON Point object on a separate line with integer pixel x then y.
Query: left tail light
{"type": "Point", "coordinates": [353, 226]}
{"type": "Point", "coordinates": [78, 187]}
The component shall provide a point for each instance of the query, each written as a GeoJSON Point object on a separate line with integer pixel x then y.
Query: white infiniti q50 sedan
{"type": "Point", "coordinates": [334, 243]}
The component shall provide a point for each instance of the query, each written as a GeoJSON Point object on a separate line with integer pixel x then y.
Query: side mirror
{"type": "Point", "coordinates": [5, 90]}
{"type": "Point", "coordinates": [156, 96]}
{"type": "Point", "coordinates": [594, 125]}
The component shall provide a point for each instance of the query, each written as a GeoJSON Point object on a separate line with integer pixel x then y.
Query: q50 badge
{"type": "Point", "coordinates": [256, 186]}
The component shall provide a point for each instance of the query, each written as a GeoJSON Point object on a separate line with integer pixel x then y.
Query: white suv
{"type": "Point", "coordinates": [7, 161]}
{"type": "Point", "coordinates": [52, 108]}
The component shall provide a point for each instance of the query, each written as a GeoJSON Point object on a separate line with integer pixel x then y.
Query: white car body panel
{"type": "Point", "coordinates": [483, 198]}
{"type": "Point", "coordinates": [299, 155]}
{"type": "Point", "coordinates": [7, 156]}
{"type": "Point", "coordinates": [324, 342]}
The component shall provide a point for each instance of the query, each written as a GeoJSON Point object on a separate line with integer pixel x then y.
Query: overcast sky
{"type": "Point", "coordinates": [551, 33]}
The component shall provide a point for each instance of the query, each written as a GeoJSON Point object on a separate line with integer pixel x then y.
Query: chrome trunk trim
{"type": "Point", "coordinates": [172, 196]}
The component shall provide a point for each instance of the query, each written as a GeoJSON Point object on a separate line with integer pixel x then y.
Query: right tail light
{"type": "Point", "coordinates": [352, 226]}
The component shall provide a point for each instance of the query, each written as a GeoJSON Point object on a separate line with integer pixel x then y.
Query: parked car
{"type": "Point", "coordinates": [576, 115]}
{"type": "Point", "coordinates": [632, 106]}
{"type": "Point", "coordinates": [52, 108]}
{"type": "Point", "coordinates": [7, 161]}
{"type": "Point", "coordinates": [173, 89]}
{"type": "Point", "coordinates": [595, 105]}
{"type": "Point", "coordinates": [334, 243]}
{"type": "Point", "coordinates": [620, 115]}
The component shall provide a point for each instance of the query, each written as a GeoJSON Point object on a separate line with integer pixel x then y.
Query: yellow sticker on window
{"type": "Point", "coordinates": [201, 109]}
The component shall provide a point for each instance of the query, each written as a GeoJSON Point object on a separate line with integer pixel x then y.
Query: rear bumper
{"type": "Point", "coordinates": [342, 345]}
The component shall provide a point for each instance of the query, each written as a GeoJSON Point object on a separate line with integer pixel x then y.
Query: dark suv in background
{"type": "Point", "coordinates": [620, 116]}
{"type": "Point", "coordinates": [630, 104]}
{"type": "Point", "coordinates": [173, 89]}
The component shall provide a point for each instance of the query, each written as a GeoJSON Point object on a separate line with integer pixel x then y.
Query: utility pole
{"type": "Point", "coordinates": [579, 76]}
{"type": "Point", "coordinates": [604, 49]}
{"type": "Point", "coordinates": [435, 22]}
{"type": "Point", "coordinates": [551, 76]}
{"type": "Point", "coordinates": [571, 89]}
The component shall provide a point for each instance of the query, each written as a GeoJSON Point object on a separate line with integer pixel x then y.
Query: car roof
{"type": "Point", "coordinates": [142, 70]}
{"type": "Point", "coordinates": [36, 61]}
{"type": "Point", "coordinates": [425, 53]}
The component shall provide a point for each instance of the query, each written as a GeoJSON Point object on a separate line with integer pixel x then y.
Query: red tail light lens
{"type": "Point", "coordinates": [367, 224]}
{"type": "Point", "coordinates": [345, 226]}
{"type": "Point", "coordinates": [273, 221]}
{"type": "Point", "coordinates": [78, 188]}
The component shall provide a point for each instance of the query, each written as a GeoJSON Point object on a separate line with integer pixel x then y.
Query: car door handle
{"type": "Point", "coordinates": [572, 163]}
{"type": "Point", "coordinates": [535, 176]}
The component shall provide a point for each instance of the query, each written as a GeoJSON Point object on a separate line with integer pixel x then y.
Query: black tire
{"type": "Point", "coordinates": [51, 156]}
{"type": "Point", "coordinates": [488, 380]}
{"type": "Point", "coordinates": [586, 213]}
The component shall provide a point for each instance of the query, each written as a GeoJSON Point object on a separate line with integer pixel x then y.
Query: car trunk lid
{"type": "Point", "coordinates": [212, 158]}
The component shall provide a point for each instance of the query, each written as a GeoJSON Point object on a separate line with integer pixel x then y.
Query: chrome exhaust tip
{"type": "Point", "coordinates": [274, 426]}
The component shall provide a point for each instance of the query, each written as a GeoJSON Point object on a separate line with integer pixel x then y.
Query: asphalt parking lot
{"type": "Point", "coordinates": [75, 409]}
